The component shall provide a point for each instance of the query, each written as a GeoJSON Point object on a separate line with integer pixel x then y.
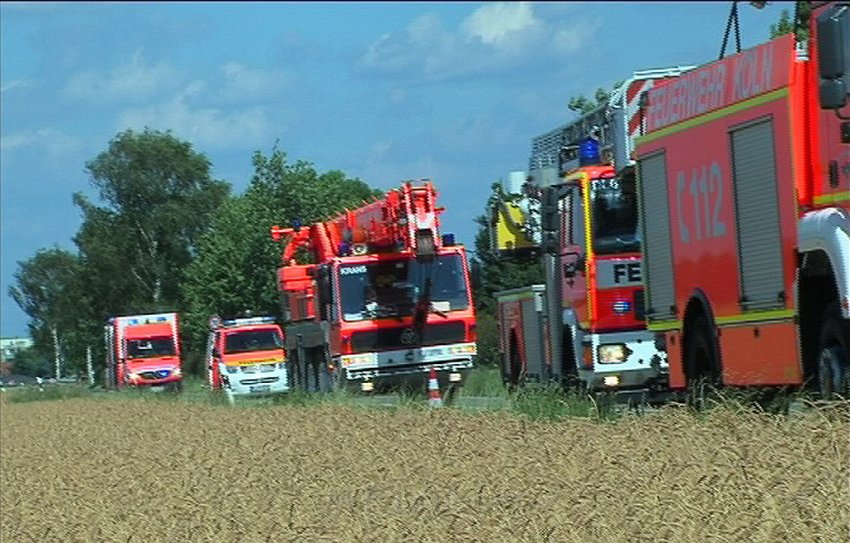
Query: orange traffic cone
{"type": "Point", "coordinates": [434, 398]}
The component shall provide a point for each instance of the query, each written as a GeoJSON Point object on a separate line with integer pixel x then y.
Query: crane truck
{"type": "Point", "coordinates": [744, 174]}
{"type": "Point", "coordinates": [143, 351]}
{"type": "Point", "coordinates": [245, 357]}
{"type": "Point", "coordinates": [578, 210]}
{"type": "Point", "coordinates": [385, 299]}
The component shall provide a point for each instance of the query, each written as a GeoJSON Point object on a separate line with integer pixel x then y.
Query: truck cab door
{"type": "Point", "coordinates": [573, 253]}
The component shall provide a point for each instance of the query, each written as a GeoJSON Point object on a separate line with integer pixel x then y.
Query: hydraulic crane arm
{"type": "Point", "coordinates": [405, 219]}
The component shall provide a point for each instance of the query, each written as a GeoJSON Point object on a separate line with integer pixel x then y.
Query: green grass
{"type": "Point", "coordinates": [48, 393]}
{"type": "Point", "coordinates": [552, 403]}
{"type": "Point", "coordinates": [485, 381]}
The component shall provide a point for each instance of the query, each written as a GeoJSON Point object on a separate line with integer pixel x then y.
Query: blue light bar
{"type": "Point", "coordinates": [448, 240]}
{"type": "Point", "coordinates": [248, 320]}
{"type": "Point", "coordinates": [588, 153]}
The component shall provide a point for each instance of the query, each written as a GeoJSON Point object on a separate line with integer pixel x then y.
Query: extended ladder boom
{"type": "Point", "coordinates": [614, 124]}
{"type": "Point", "coordinates": [405, 219]}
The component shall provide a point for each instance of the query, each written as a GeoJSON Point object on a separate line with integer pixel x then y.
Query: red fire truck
{"type": "Point", "coordinates": [386, 299]}
{"type": "Point", "coordinates": [586, 323]}
{"type": "Point", "coordinates": [745, 196]}
{"type": "Point", "coordinates": [143, 351]}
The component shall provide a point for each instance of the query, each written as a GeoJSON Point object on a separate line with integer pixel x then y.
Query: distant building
{"type": "Point", "coordinates": [9, 347]}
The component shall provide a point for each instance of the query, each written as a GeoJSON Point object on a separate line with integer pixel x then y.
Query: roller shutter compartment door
{"type": "Point", "coordinates": [757, 216]}
{"type": "Point", "coordinates": [657, 246]}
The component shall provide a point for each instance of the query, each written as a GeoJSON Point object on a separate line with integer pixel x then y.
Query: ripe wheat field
{"type": "Point", "coordinates": [96, 470]}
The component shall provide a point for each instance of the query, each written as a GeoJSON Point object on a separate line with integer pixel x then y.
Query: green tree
{"type": "Point", "coordinates": [32, 362]}
{"type": "Point", "coordinates": [237, 260]}
{"type": "Point", "coordinates": [159, 197]}
{"type": "Point", "coordinates": [582, 105]}
{"type": "Point", "coordinates": [783, 26]}
{"type": "Point", "coordinates": [797, 24]}
{"type": "Point", "coordinates": [49, 289]}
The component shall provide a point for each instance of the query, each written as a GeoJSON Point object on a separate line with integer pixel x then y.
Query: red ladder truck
{"type": "Point", "coordinates": [585, 325]}
{"type": "Point", "coordinates": [386, 298]}
{"type": "Point", "coordinates": [744, 174]}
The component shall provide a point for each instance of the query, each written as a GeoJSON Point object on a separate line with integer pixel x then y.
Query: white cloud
{"type": "Point", "coordinates": [572, 39]}
{"type": "Point", "coordinates": [53, 142]}
{"type": "Point", "coordinates": [242, 82]}
{"type": "Point", "coordinates": [205, 126]}
{"type": "Point", "coordinates": [132, 81]}
{"type": "Point", "coordinates": [501, 23]}
{"type": "Point", "coordinates": [494, 38]}
{"type": "Point", "coordinates": [18, 83]}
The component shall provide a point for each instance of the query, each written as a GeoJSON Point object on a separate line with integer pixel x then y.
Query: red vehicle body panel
{"type": "Point", "coordinates": [690, 119]}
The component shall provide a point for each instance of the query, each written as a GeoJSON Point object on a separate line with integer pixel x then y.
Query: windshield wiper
{"type": "Point", "coordinates": [439, 312]}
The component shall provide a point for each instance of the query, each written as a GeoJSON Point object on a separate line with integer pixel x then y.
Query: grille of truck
{"type": "Point", "coordinates": [404, 337]}
{"type": "Point", "coordinates": [259, 381]}
{"type": "Point", "coordinates": [254, 368]}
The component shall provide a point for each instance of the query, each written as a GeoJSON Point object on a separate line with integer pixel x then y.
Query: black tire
{"type": "Point", "coordinates": [451, 394]}
{"type": "Point", "coordinates": [515, 369]}
{"type": "Point", "coordinates": [833, 360]}
{"type": "Point", "coordinates": [569, 369]}
{"type": "Point", "coordinates": [702, 363]}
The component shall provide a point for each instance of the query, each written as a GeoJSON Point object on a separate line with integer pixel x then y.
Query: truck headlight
{"type": "Point", "coordinates": [177, 371]}
{"type": "Point", "coordinates": [612, 354]}
{"type": "Point", "coordinates": [132, 376]}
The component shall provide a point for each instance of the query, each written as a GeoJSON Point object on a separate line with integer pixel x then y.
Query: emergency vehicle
{"type": "Point", "coordinates": [744, 172]}
{"type": "Point", "coordinates": [386, 299]}
{"type": "Point", "coordinates": [586, 324]}
{"type": "Point", "coordinates": [245, 357]}
{"type": "Point", "coordinates": [143, 351]}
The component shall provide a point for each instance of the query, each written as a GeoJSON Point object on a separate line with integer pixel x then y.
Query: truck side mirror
{"type": "Point", "coordinates": [833, 29]}
{"type": "Point", "coordinates": [549, 210]}
{"type": "Point", "coordinates": [572, 268]}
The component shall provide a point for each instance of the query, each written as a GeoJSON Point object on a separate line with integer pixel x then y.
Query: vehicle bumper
{"type": "Point", "coordinates": [142, 382]}
{"type": "Point", "coordinates": [453, 358]}
{"type": "Point", "coordinates": [257, 383]}
{"type": "Point", "coordinates": [645, 367]}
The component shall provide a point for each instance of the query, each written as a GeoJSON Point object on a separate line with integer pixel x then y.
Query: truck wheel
{"type": "Point", "coordinates": [834, 356]}
{"type": "Point", "coordinates": [569, 372]}
{"type": "Point", "coordinates": [326, 379]}
{"type": "Point", "coordinates": [702, 364]}
{"type": "Point", "coordinates": [515, 365]}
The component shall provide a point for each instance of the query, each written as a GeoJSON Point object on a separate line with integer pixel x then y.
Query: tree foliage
{"type": "Point", "coordinates": [797, 24]}
{"type": "Point", "coordinates": [48, 287]}
{"type": "Point", "coordinates": [158, 196]}
{"type": "Point", "coordinates": [582, 104]}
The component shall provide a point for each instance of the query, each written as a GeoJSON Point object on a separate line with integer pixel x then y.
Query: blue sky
{"type": "Point", "coordinates": [382, 91]}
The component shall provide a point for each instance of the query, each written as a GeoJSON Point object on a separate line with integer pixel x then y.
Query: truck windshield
{"type": "Point", "coordinates": [149, 348]}
{"type": "Point", "coordinates": [252, 340]}
{"type": "Point", "coordinates": [615, 217]}
{"type": "Point", "coordinates": [391, 288]}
